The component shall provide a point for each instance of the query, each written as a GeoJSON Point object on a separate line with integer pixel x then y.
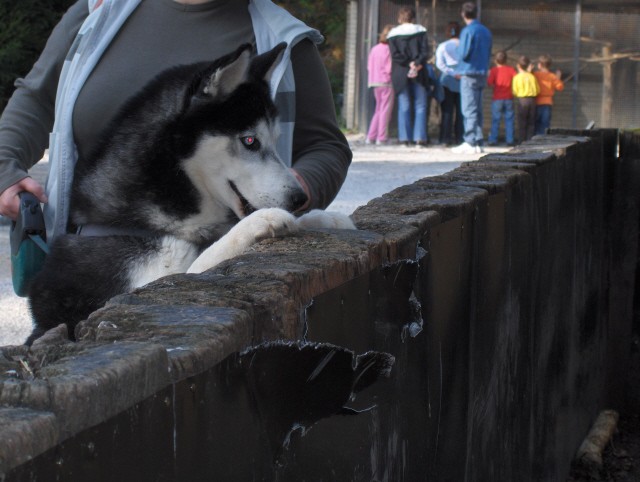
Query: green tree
{"type": "Point", "coordinates": [25, 26]}
{"type": "Point", "coordinates": [329, 17]}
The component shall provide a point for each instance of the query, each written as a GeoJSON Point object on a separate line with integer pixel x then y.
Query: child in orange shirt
{"type": "Point", "coordinates": [549, 83]}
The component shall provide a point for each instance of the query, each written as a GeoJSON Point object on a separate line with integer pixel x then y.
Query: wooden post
{"type": "Point", "coordinates": [607, 87]}
{"type": "Point", "coordinates": [576, 63]}
{"type": "Point", "coordinates": [350, 67]}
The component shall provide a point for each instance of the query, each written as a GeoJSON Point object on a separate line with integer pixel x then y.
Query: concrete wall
{"type": "Point", "coordinates": [471, 330]}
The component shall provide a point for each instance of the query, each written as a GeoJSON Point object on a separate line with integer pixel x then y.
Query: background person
{"type": "Point", "coordinates": [525, 89]}
{"type": "Point", "coordinates": [435, 93]}
{"type": "Point", "coordinates": [549, 84]}
{"type": "Point", "coordinates": [409, 54]}
{"type": "Point", "coordinates": [500, 78]}
{"type": "Point", "coordinates": [379, 71]}
{"type": "Point", "coordinates": [91, 94]}
{"type": "Point", "coordinates": [474, 54]}
{"type": "Point", "coordinates": [446, 62]}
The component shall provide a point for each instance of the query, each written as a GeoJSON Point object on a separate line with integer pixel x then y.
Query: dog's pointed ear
{"type": "Point", "coordinates": [263, 65]}
{"type": "Point", "coordinates": [226, 78]}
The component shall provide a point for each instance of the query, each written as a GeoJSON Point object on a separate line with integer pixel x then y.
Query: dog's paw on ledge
{"type": "Point", "coordinates": [318, 219]}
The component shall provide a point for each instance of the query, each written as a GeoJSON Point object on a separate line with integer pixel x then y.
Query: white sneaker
{"type": "Point", "coordinates": [464, 148]}
{"type": "Point", "coordinates": [479, 149]}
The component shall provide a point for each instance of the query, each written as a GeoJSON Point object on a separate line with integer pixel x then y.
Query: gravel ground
{"type": "Point", "coordinates": [621, 457]}
{"type": "Point", "coordinates": [375, 170]}
{"type": "Point", "coordinates": [14, 314]}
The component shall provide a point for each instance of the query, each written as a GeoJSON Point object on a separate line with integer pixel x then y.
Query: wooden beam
{"type": "Point", "coordinates": [607, 88]}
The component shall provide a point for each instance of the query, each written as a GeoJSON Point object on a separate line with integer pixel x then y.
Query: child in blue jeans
{"type": "Point", "coordinates": [500, 78]}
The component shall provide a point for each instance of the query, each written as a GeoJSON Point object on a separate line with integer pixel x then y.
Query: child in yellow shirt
{"type": "Point", "coordinates": [549, 83]}
{"type": "Point", "coordinates": [525, 89]}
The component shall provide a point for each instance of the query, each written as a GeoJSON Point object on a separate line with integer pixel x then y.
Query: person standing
{"type": "Point", "coordinates": [549, 83]}
{"type": "Point", "coordinates": [474, 53]}
{"type": "Point", "coordinates": [446, 62]}
{"type": "Point", "coordinates": [500, 78]}
{"type": "Point", "coordinates": [409, 54]}
{"type": "Point", "coordinates": [435, 93]}
{"type": "Point", "coordinates": [103, 51]}
{"type": "Point", "coordinates": [525, 90]}
{"type": "Point", "coordinates": [379, 70]}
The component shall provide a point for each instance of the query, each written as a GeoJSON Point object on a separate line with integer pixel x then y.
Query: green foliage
{"type": "Point", "coordinates": [25, 26]}
{"type": "Point", "coordinates": [329, 17]}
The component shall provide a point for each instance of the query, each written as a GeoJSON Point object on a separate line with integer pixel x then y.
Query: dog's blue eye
{"type": "Point", "coordinates": [250, 142]}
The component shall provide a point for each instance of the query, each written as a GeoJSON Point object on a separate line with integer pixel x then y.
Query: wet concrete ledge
{"type": "Point", "coordinates": [173, 331]}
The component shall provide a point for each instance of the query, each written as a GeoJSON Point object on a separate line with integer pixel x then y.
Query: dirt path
{"type": "Point", "coordinates": [621, 457]}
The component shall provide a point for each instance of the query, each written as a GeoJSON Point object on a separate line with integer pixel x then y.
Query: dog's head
{"type": "Point", "coordinates": [231, 127]}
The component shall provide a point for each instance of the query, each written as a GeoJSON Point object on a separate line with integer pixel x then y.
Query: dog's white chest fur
{"type": "Point", "coordinates": [174, 256]}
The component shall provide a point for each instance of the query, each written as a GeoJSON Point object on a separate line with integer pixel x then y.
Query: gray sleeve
{"type": "Point", "coordinates": [321, 153]}
{"type": "Point", "coordinates": [27, 120]}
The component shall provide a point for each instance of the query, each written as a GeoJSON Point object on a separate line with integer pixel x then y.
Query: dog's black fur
{"type": "Point", "coordinates": [136, 179]}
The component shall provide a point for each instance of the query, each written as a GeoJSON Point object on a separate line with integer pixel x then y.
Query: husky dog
{"type": "Point", "coordinates": [186, 176]}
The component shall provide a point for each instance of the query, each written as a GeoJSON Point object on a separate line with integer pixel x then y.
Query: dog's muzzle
{"type": "Point", "coordinates": [298, 200]}
{"type": "Point", "coordinates": [245, 205]}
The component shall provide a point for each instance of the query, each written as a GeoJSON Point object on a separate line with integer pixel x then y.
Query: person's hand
{"type": "Point", "coordinates": [10, 202]}
{"type": "Point", "coordinates": [559, 74]}
{"type": "Point", "coordinates": [305, 188]}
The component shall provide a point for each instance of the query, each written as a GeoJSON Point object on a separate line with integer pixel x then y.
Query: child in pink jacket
{"type": "Point", "coordinates": [379, 68]}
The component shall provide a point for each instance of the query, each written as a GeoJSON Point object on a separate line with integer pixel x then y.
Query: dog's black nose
{"type": "Point", "coordinates": [298, 199]}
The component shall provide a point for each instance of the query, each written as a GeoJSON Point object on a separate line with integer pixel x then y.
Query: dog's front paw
{"type": "Point", "coordinates": [266, 223]}
{"type": "Point", "coordinates": [325, 220]}
{"type": "Point", "coordinates": [261, 224]}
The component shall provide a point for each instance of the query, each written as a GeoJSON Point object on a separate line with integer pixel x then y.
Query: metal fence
{"type": "Point", "coordinates": [595, 44]}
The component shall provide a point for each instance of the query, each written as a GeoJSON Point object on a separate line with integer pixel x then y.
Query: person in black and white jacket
{"type": "Point", "coordinates": [409, 54]}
